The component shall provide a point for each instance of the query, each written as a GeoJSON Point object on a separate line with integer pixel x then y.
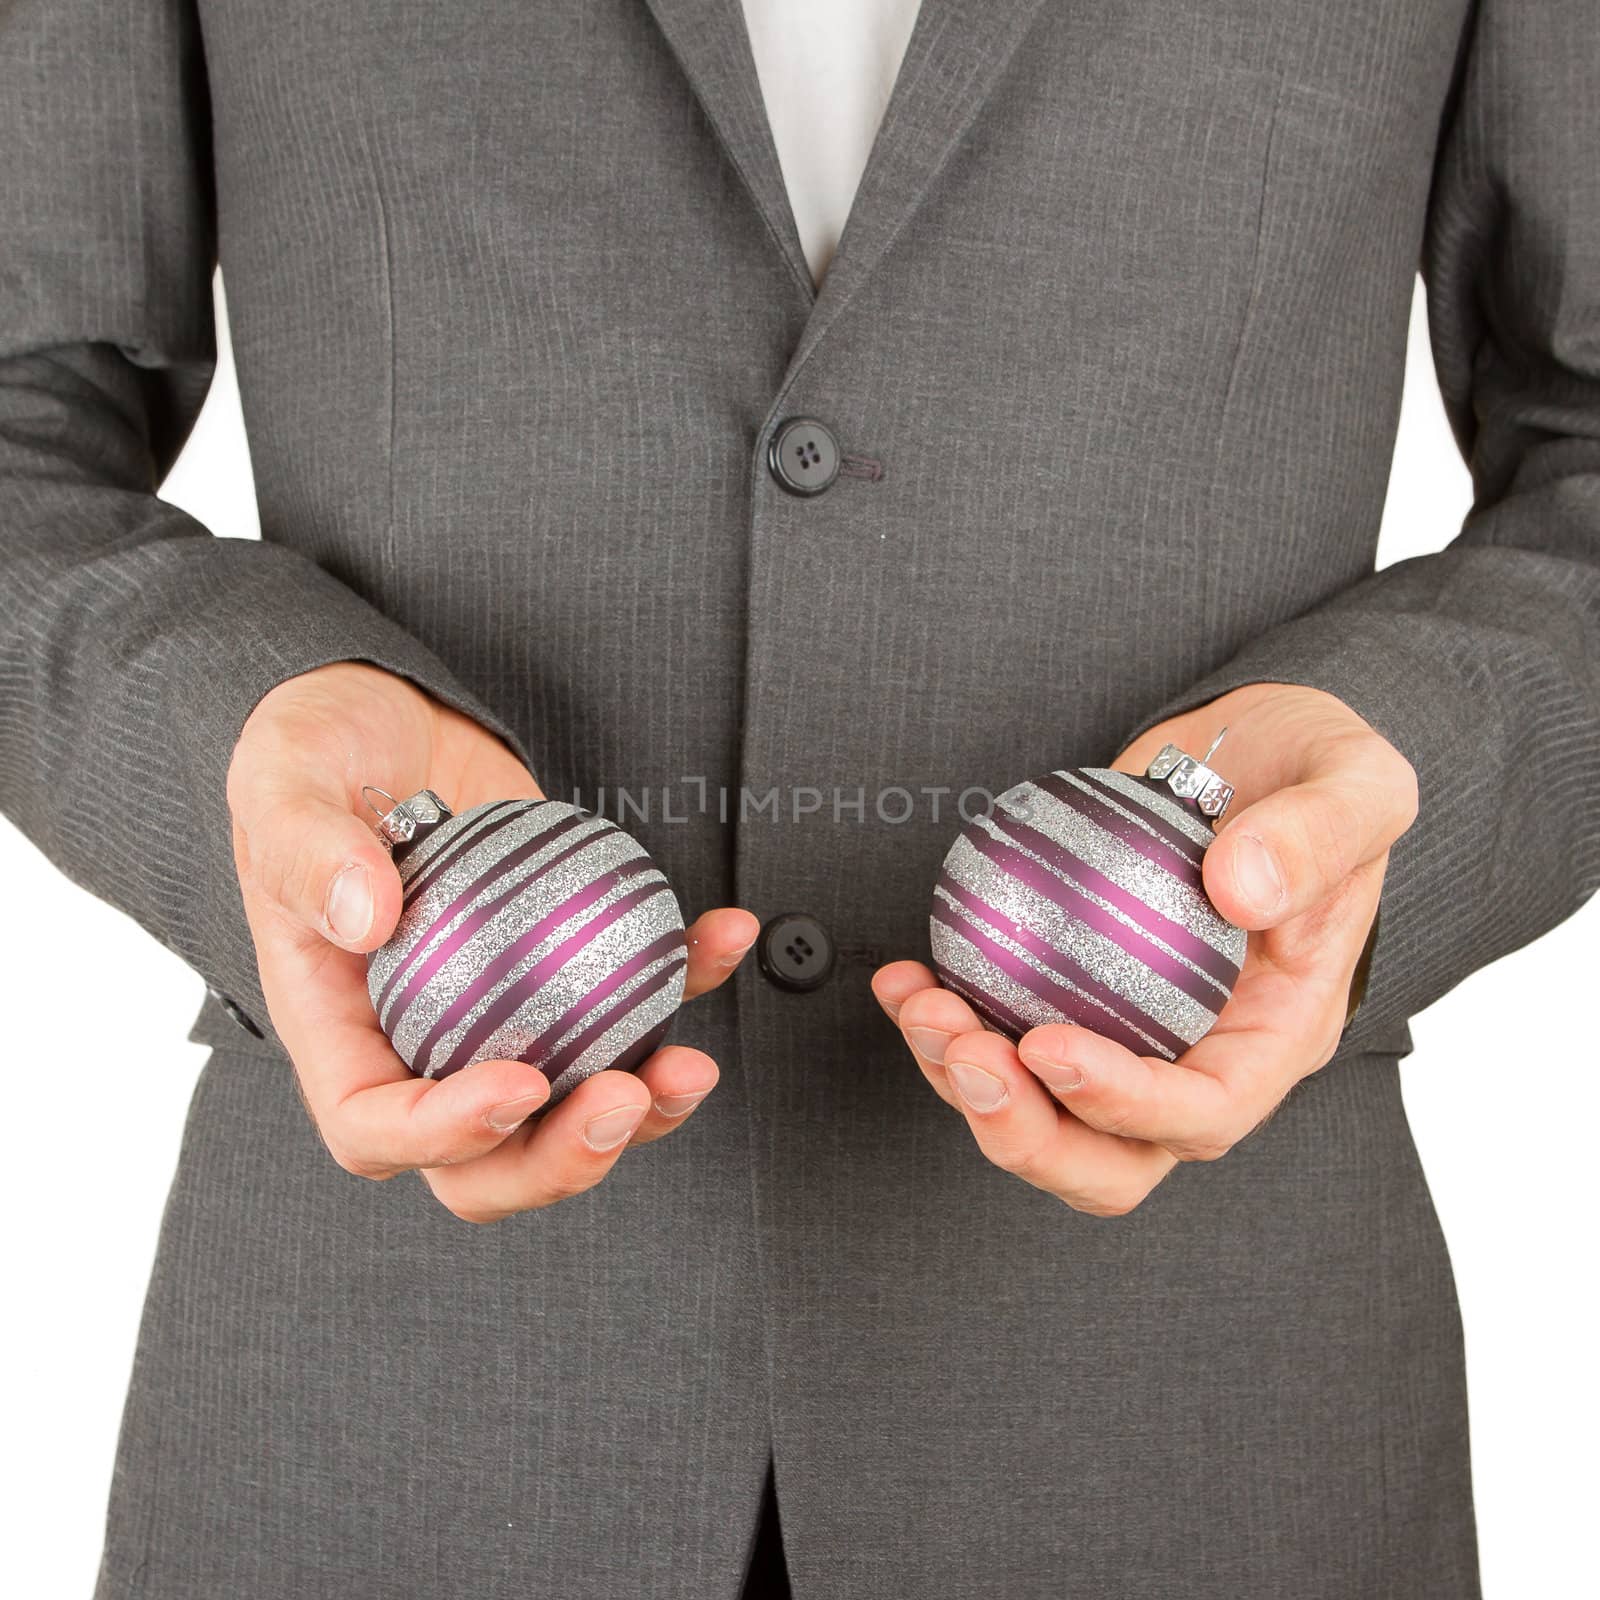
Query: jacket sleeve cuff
{"type": "Point", "coordinates": [1455, 896]}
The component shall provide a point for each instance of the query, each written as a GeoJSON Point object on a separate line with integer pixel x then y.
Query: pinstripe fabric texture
{"type": "Point", "coordinates": [517, 300]}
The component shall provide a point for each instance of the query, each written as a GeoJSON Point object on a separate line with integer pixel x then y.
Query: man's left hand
{"type": "Point", "coordinates": [1319, 799]}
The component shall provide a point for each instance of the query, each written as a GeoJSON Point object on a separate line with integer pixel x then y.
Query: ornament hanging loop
{"type": "Point", "coordinates": [1193, 780]}
{"type": "Point", "coordinates": [401, 823]}
{"type": "Point", "coordinates": [380, 812]}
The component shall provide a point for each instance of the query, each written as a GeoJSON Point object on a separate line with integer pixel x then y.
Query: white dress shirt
{"type": "Point", "coordinates": [826, 69]}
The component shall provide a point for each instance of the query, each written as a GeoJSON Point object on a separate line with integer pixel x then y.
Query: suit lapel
{"type": "Point", "coordinates": [956, 54]}
{"type": "Point", "coordinates": [712, 46]}
{"type": "Point", "coordinates": [955, 57]}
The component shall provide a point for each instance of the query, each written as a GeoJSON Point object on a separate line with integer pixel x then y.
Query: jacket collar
{"type": "Point", "coordinates": [712, 45]}
{"type": "Point", "coordinates": [956, 55]}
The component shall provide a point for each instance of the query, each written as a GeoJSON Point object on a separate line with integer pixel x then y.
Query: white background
{"type": "Point", "coordinates": [1503, 1092]}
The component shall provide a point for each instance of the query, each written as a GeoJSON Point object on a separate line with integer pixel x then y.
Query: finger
{"type": "Point", "coordinates": [1021, 1130]}
{"type": "Point", "coordinates": [1198, 1108]}
{"type": "Point", "coordinates": [568, 1150]}
{"type": "Point", "coordinates": [375, 1116]}
{"type": "Point", "coordinates": [930, 1019]}
{"type": "Point", "coordinates": [678, 1079]}
{"type": "Point", "coordinates": [1288, 852]}
{"type": "Point", "coordinates": [407, 1123]}
{"type": "Point", "coordinates": [718, 941]}
{"type": "Point", "coordinates": [894, 984]}
{"type": "Point", "coordinates": [319, 864]}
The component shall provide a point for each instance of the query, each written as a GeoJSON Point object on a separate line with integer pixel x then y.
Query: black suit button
{"type": "Point", "coordinates": [236, 1013]}
{"type": "Point", "coordinates": [803, 456]}
{"type": "Point", "coordinates": [795, 952]}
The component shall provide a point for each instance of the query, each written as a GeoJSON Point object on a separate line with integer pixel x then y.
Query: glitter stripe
{"type": "Point", "coordinates": [515, 995]}
{"type": "Point", "coordinates": [1073, 1006]}
{"type": "Point", "coordinates": [581, 1008]}
{"type": "Point", "coordinates": [1152, 921]}
{"type": "Point", "coordinates": [487, 980]}
{"type": "Point", "coordinates": [642, 1048]}
{"type": "Point", "coordinates": [1165, 810]}
{"type": "Point", "coordinates": [1158, 851]}
{"type": "Point", "coordinates": [471, 840]}
{"type": "Point", "coordinates": [470, 925]}
{"type": "Point", "coordinates": [604, 1021]}
{"type": "Point", "coordinates": [1127, 810]}
{"type": "Point", "coordinates": [1093, 915]}
{"type": "Point", "coordinates": [417, 866]}
{"type": "Point", "coordinates": [993, 1011]}
{"type": "Point", "coordinates": [1121, 1005]}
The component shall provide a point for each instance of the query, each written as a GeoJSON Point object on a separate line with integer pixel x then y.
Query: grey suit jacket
{"type": "Point", "coordinates": [517, 302]}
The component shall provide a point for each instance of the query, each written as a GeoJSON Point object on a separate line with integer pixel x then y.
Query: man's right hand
{"type": "Point", "coordinates": [320, 891]}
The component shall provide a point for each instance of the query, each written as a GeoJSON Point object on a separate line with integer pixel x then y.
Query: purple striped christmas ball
{"type": "Point", "coordinates": [1078, 899]}
{"type": "Point", "coordinates": [530, 932]}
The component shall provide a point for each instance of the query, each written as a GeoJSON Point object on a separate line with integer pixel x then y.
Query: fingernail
{"type": "Point", "coordinates": [1061, 1077]}
{"type": "Point", "coordinates": [1257, 875]}
{"type": "Point", "coordinates": [983, 1091]}
{"type": "Point", "coordinates": [891, 1009]}
{"type": "Point", "coordinates": [929, 1043]}
{"type": "Point", "coordinates": [679, 1105]}
{"type": "Point", "coordinates": [513, 1113]}
{"type": "Point", "coordinates": [349, 907]}
{"type": "Point", "coordinates": [611, 1128]}
{"type": "Point", "coordinates": [734, 957]}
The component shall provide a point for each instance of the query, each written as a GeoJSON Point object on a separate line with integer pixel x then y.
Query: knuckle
{"type": "Point", "coordinates": [1327, 1045]}
{"type": "Point", "coordinates": [1020, 1161]}
{"type": "Point", "coordinates": [296, 870]}
{"type": "Point", "coordinates": [1117, 1118]}
{"type": "Point", "coordinates": [1332, 831]}
{"type": "Point", "coordinates": [237, 787]}
{"type": "Point", "coordinates": [567, 1184]}
{"type": "Point", "coordinates": [1110, 1200]}
{"type": "Point", "coordinates": [465, 1201]}
{"type": "Point", "coordinates": [1211, 1145]}
{"type": "Point", "coordinates": [358, 1165]}
{"type": "Point", "coordinates": [1400, 777]}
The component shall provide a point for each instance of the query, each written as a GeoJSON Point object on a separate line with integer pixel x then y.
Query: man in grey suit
{"type": "Point", "coordinates": [1109, 360]}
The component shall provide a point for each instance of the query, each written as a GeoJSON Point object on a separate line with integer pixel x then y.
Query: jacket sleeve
{"type": "Point", "coordinates": [1482, 663]}
{"type": "Point", "coordinates": [133, 644]}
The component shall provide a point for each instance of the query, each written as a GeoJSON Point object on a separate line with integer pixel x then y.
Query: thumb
{"type": "Point", "coordinates": [1290, 851]}
{"type": "Point", "coordinates": [325, 868]}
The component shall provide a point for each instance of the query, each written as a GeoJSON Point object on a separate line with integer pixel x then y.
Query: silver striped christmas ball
{"type": "Point", "coordinates": [1079, 899]}
{"type": "Point", "coordinates": [530, 932]}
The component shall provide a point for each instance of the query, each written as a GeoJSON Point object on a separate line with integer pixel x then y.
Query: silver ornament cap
{"type": "Point", "coordinates": [1193, 780]}
{"type": "Point", "coordinates": [403, 822]}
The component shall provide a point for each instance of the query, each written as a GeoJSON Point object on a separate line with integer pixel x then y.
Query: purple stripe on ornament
{"type": "Point", "coordinates": [493, 819]}
{"type": "Point", "coordinates": [596, 1027]}
{"type": "Point", "coordinates": [488, 980]}
{"type": "Point", "coordinates": [1074, 1007]}
{"type": "Point", "coordinates": [1154, 922]}
{"type": "Point", "coordinates": [1159, 850]}
{"type": "Point", "coordinates": [1158, 791]}
{"type": "Point", "coordinates": [517, 993]}
{"type": "Point", "coordinates": [1093, 915]}
{"type": "Point", "coordinates": [424, 863]}
{"type": "Point", "coordinates": [990, 1009]}
{"type": "Point", "coordinates": [642, 1048]}
{"type": "Point", "coordinates": [587, 1005]}
{"type": "Point", "coordinates": [470, 925]}
{"type": "Point", "coordinates": [1064, 965]}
